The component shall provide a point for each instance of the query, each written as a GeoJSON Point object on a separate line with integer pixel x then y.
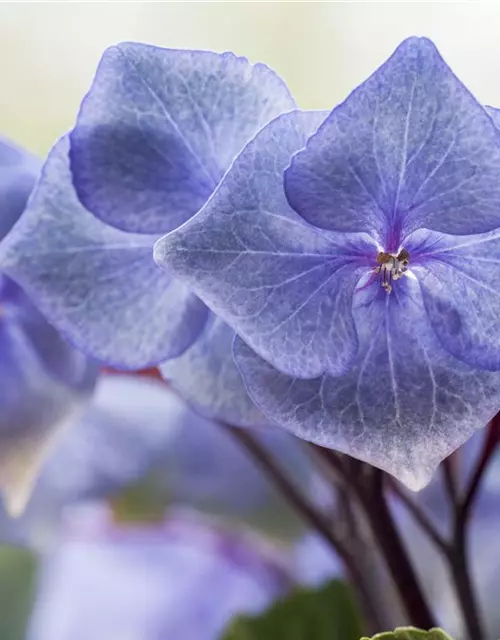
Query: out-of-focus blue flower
{"type": "Point", "coordinates": [135, 425]}
{"type": "Point", "coordinates": [44, 382]}
{"type": "Point", "coordinates": [361, 272]}
{"type": "Point", "coordinates": [154, 137]}
{"type": "Point", "coordinates": [183, 579]}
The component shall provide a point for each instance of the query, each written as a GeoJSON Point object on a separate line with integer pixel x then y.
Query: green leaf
{"type": "Point", "coordinates": [17, 589]}
{"type": "Point", "coordinates": [327, 613]}
{"type": "Point", "coordinates": [410, 633]}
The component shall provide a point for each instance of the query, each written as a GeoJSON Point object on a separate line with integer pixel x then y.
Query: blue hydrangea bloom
{"type": "Point", "coordinates": [44, 382]}
{"type": "Point", "coordinates": [184, 578]}
{"type": "Point", "coordinates": [360, 269]}
{"type": "Point", "coordinates": [154, 136]}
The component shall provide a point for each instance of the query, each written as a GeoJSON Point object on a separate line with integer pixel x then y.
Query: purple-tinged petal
{"type": "Point", "coordinates": [18, 173]}
{"type": "Point", "coordinates": [184, 579]}
{"type": "Point", "coordinates": [207, 377]}
{"type": "Point", "coordinates": [98, 285]}
{"type": "Point", "coordinates": [409, 148]}
{"type": "Point", "coordinates": [404, 406]}
{"type": "Point", "coordinates": [460, 282]}
{"type": "Point", "coordinates": [160, 127]}
{"type": "Point", "coordinates": [283, 286]}
{"type": "Point", "coordinates": [36, 403]}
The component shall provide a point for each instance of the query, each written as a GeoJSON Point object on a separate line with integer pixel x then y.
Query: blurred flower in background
{"type": "Point", "coordinates": [181, 578]}
{"type": "Point", "coordinates": [44, 382]}
{"type": "Point", "coordinates": [136, 428]}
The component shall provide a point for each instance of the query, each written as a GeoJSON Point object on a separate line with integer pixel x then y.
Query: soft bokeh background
{"type": "Point", "coordinates": [49, 51]}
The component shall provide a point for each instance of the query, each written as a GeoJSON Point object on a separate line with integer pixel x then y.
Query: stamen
{"type": "Point", "coordinates": [392, 267]}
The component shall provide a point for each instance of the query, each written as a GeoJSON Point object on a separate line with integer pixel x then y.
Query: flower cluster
{"type": "Point", "coordinates": [335, 272]}
{"type": "Point", "coordinates": [332, 274]}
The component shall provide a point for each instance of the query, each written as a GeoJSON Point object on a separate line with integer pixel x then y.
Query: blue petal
{"type": "Point", "coordinates": [18, 173]}
{"type": "Point", "coordinates": [160, 127]}
{"type": "Point", "coordinates": [460, 281]}
{"type": "Point", "coordinates": [35, 401]}
{"type": "Point", "coordinates": [206, 376]}
{"type": "Point", "coordinates": [403, 407]}
{"type": "Point", "coordinates": [409, 148]}
{"type": "Point", "coordinates": [180, 580]}
{"type": "Point", "coordinates": [96, 284]}
{"type": "Point", "coordinates": [279, 283]}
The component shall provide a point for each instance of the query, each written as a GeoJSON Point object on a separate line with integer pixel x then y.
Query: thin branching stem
{"type": "Point", "coordinates": [314, 518]}
{"type": "Point", "coordinates": [366, 483]}
{"type": "Point", "coordinates": [457, 552]}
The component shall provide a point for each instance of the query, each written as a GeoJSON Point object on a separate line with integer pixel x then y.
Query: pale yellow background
{"type": "Point", "coordinates": [49, 51]}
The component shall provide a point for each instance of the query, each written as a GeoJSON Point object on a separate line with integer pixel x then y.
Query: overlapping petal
{"type": "Point", "coordinates": [18, 173]}
{"type": "Point", "coordinates": [404, 406]}
{"type": "Point", "coordinates": [408, 148]}
{"type": "Point", "coordinates": [96, 284]}
{"type": "Point", "coordinates": [206, 376]}
{"type": "Point", "coordinates": [460, 282]}
{"type": "Point", "coordinates": [283, 286]}
{"type": "Point", "coordinates": [160, 127]}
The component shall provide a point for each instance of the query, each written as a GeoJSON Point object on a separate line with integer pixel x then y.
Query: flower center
{"type": "Point", "coordinates": [391, 267]}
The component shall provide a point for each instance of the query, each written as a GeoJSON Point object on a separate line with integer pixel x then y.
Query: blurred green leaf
{"type": "Point", "coordinates": [17, 589]}
{"type": "Point", "coordinates": [410, 633]}
{"type": "Point", "coordinates": [327, 613]}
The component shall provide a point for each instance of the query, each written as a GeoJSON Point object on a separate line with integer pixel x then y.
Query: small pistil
{"type": "Point", "coordinates": [392, 267]}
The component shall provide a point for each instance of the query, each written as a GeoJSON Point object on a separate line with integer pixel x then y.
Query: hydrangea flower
{"type": "Point", "coordinates": [184, 578]}
{"type": "Point", "coordinates": [155, 134]}
{"type": "Point", "coordinates": [44, 382]}
{"type": "Point", "coordinates": [360, 269]}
